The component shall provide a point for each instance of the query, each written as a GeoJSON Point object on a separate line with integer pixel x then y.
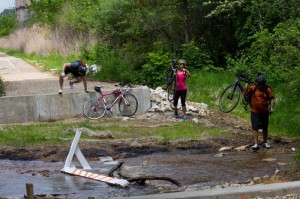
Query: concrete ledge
{"type": "Point", "coordinates": [38, 108]}
{"type": "Point", "coordinates": [261, 190]}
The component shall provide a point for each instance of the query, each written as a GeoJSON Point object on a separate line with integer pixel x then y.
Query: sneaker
{"type": "Point", "coordinates": [255, 147]}
{"type": "Point", "coordinates": [59, 91]}
{"type": "Point", "coordinates": [176, 114]}
{"type": "Point", "coordinates": [266, 145]}
{"type": "Point", "coordinates": [184, 118]}
{"type": "Point", "coordinates": [71, 85]}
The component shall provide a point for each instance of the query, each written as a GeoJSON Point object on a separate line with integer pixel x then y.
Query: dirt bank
{"type": "Point", "coordinates": [238, 133]}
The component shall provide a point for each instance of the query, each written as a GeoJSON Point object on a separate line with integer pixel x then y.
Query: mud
{"type": "Point", "coordinates": [195, 164]}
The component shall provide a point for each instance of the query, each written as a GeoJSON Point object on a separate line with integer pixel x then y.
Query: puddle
{"type": "Point", "coordinates": [187, 167]}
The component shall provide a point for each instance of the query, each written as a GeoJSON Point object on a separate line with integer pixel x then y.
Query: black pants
{"type": "Point", "coordinates": [182, 95]}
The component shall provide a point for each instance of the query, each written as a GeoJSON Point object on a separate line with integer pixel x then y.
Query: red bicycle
{"type": "Point", "coordinates": [96, 108]}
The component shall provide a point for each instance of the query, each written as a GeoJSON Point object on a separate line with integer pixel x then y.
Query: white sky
{"type": "Point", "coordinates": [4, 4]}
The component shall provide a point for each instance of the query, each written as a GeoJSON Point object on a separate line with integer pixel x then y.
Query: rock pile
{"type": "Point", "coordinates": [160, 103]}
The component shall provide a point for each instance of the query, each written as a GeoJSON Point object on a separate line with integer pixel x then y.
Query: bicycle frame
{"type": "Point", "coordinates": [119, 94]}
{"type": "Point", "coordinates": [96, 108]}
{"type": "Point", "coordinates": [230, 97]}
{"type": "Point", "coordinates": [237, 84]}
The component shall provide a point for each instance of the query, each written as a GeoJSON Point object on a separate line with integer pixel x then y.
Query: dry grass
{"type": "Point", "coordinates": [44, 41]}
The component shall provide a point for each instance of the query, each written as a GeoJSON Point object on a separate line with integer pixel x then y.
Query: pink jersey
{"type": "Point", "coordinates": [181, 77]}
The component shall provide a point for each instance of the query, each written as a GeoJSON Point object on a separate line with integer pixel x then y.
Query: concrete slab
{"type": "Point", "coordinates": [50, 107]}
{"type": "Point", "coordinates": [261, 190]}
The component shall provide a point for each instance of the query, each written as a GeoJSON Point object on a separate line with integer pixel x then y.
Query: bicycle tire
{"type": "Point", "coordinates": [229, 98]}
{"type": "Point", "coordinates": [171, 89]}
{"type": "Point", "coordinates": [93, 112]}
{"type": "Point", "coordinates": [130, 109]}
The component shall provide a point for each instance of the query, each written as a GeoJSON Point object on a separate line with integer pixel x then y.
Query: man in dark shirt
{"type": "Point", "coordinates": [78, 69]}
{"type": "Point", "coordinates": [262, 105]}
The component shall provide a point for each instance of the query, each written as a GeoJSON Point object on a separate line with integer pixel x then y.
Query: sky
{"type": "Point", "coordinates": [4, 4]}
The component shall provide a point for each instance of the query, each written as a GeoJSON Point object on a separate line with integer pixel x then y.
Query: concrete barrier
{"type": "Point", "coordinates": [51, 107]}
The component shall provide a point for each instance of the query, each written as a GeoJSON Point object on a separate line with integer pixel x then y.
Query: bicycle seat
{"type": "Point", "coordinates": [116, 90]}
{"type": "Point", "coordinates": [98, 88]}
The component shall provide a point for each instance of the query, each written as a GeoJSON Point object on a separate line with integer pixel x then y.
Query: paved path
{"type": "Point", "coordinates": [16, 69]}
{"type": "Point", "coordinates": [22, 79]}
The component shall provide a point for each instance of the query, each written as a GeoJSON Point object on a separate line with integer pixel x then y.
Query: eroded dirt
{"type": "Point", "coordinates": [238, 133]}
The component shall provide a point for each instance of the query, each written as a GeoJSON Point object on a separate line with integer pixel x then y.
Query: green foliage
{"type": "Point", "coordinates": [1, 88]}
{"type": "Point", "coordinates": [8, 22]}
{"type": "Point", "coordinates": [158, 62]}
{"type": "Point", "coordinates": [122, 22]}
{"type": "Point", "coordinates": [195, 57]}
{"type": "Point", "coordinates": [287, 105]}
{"type": "Point", "coordinates": [79, 16]}
{"type": "Point", "coordinates": [115, 65]}
{"type": "Point", "coordinates": [45, 11]}
{"type": "Point", "coordinates": [115, 68]}
{"type": "Point", "coordinates": [114, 21]}
{"type": "Point", "coordinates": [95, 54]}
{"type": "Point", "coordinates": [275, 54]}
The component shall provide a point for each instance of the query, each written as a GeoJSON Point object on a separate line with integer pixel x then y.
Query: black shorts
{"type": "Point", "coordinates": [182, 95]}
{"type": "Point", "coordinates": [260, 120]}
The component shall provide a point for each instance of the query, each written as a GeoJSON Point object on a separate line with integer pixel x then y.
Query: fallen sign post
{"type": "Point", "coordinates": [71, 169]}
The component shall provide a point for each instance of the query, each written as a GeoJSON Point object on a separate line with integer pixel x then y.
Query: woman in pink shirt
{"type": "Point", "coordinates": [181, 88]}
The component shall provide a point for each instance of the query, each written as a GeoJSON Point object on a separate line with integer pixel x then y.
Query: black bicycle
{"type": "Point", "coordinates": [171, 81]}
{"type": "Point", "coordinates": [231, 95]}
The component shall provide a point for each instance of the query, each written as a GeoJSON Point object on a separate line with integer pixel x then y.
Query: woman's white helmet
{"type": "Point", "coordinates": [181, 61]}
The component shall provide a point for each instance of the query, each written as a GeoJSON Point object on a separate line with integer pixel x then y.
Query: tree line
{"type": "Point", "coordinates": [137, 39]}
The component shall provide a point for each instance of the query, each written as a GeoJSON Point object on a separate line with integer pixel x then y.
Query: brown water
{"type": "Point", "coordinates": [190, 168]}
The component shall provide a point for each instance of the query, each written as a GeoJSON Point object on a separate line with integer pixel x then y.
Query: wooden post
{"type": "Point", "coordinates": [29, 191]}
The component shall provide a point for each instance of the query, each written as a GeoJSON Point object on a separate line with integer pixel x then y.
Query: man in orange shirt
{"type": "Point", "coordinates": [261, 97]}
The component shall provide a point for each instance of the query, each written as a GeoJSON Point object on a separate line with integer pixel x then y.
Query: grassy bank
{"type": "Point", "coordinates": [207, 87]}
{"type": "Point", "coordinates": [203, 87]}
{"type": "Point", "coordinates": [61, 133]}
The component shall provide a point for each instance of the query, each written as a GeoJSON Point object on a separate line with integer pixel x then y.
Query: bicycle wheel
{"type": "Point", "coordinates": [129, 107]}
{"type": "Point", "coordinates": [171, 89]}
{"type": "Point", "coordinates": [229, 98]}
{"type": "Point", "coordinates": [94, 109]}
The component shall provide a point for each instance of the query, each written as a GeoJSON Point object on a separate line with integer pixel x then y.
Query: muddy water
{"type": "Point", "coordinates": [189, 168]}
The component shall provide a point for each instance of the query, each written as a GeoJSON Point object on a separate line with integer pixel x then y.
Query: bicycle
{"type": "Point", "coordinates": [171, 81]}
{"type": "Point", "coordinates": [96, 108]}
{"type": "Point", "coordinates": [231, 95]}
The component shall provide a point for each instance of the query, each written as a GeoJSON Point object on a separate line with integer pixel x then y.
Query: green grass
{"type": "Point", "coordinates": [1, 88]}
{"type": "Point", "coordinates": [207, 87]}
{"type": "Point", "coordinates": [61, 133]}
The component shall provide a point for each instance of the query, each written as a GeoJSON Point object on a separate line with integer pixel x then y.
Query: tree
{"type": "Point", "coordinates": [8, 22]}
{"type": "Point", "coordinates": [45, 11]}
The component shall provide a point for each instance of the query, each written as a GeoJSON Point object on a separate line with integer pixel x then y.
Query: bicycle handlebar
{"type": "Point", "coordinates": [123, 86]}
{"type": "Point", "coordinates": [244, 77]}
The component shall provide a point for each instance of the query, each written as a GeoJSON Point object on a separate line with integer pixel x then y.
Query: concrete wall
{"type": "Point", "coordinates": [38, 108]}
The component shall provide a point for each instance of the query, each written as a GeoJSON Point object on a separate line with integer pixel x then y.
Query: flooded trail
{"type": "Point", "coordinates": [189, 167]}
